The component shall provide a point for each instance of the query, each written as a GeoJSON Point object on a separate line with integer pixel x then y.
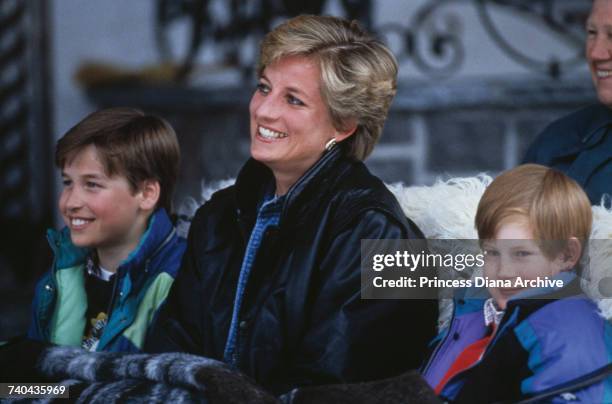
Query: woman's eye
{"type": "Point", "coordinates": [263, 88]}
{"type": "Point", "coordinates": [90, 184]}
{"type": "Point", "coordinates": [491, 253]}
{"type": "Point", "coordinates": [66, 182]}
{"type": "Point", "coordinates": [293, 100]}
{"type": "Point", "coordinates": [591, 32]}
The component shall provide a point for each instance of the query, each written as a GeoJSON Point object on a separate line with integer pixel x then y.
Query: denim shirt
{"type": "Point", "coordinates": [268, 215]}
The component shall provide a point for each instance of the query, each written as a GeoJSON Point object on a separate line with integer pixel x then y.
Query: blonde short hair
{"type": "Point", "coordinates": [358, 72]}
{"type": "Point", "coordinates": [555, 206]}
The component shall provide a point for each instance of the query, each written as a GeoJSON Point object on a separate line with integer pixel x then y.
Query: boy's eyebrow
{"type": "Point", "coordinates": [87, 176]}
{"type": "Point", "coordinates": [94, 176]}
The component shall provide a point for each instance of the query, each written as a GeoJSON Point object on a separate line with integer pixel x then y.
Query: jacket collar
{"type": "Point", "coordinates": [473, 299]}
{"type": "Point", "coordinates": [159, 229]}
{"type": "Point", "coordinates": [581, 130]}
{"type": "Point", "coordinates": [600, 119]}
{"type": "Point", "coordinates": [530, 300]}
{"type": "Point", "coordinates": [159, 232]}
{"type": "Point", "coordinates": [255, 179]}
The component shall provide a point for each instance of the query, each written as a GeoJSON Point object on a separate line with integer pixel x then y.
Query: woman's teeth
{"type": "Point", "coordinates": [270, 134]}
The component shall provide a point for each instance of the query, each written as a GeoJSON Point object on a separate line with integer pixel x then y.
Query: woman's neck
{"type": "Point", "coordinates": [284, 181]}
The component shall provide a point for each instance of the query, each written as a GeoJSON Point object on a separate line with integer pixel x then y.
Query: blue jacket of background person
{"type": "Point", "coordinates": [144, 280]}
{"type": "Point", "coordinates": [580, 145]}
{"type": "Point", "coordinates": [541, 343]}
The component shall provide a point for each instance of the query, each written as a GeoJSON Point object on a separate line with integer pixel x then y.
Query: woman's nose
{"type": "Point", "coordinates": [268, 108]}
{"type": "Point", "coordinates": [599, 49]}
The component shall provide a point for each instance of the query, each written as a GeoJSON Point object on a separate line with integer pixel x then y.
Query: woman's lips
{"type": "Point", "coordinates": [270, 134]}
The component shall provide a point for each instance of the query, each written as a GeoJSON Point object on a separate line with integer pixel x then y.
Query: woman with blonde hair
{"type": "Point", "coordinates": [271, 281]}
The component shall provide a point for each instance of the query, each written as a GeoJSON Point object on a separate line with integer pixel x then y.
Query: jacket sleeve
{"type": "Point", "coordinates": [565, 340]}
{"type": "Point", "coordinates": [176, 327]}
{"type": "Point", "coordinates": [350, 338]}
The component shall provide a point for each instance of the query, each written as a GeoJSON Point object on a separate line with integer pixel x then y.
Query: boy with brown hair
{"type": "Point", "coordinates": [119, 253]}
{"type": "Point", "coordinates": [533, 223]}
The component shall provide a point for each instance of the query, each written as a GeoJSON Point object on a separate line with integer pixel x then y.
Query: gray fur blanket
{"type": "Point", "coordinates": [103, 377]}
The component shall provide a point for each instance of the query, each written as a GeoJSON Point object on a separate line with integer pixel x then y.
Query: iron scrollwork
{"type": "Point", "coordinates": [432, 40]}
{"type": "Point", "coordinates": [563, 18]}
{"type": "Point", "coordinates": [231, 23]}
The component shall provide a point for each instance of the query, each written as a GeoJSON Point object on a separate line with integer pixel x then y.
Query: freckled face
{"type": "Point", "coordinates": [599, 49]}
{"type": "Point", "coordinates": [102, 212]}
{"type": "Point", "coordinates": [290, 122]}
{"type": "Point", "coordinates": [515, 254]}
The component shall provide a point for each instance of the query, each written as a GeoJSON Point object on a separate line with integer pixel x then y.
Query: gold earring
{"type": "Point", "coordinates": [329, 145]}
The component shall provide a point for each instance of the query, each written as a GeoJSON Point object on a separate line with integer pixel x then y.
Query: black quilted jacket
{"type": "Point", "coordinates": [302, 320]}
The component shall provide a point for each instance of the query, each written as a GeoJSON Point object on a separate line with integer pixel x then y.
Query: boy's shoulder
{"type": "Point", "coordinates": [581, 307]}
{"type": "Point", "coordinates": [161, 245]}
{"type": "Point", "coordinates": [571, 129]}
{"type": "Point", "coordinates": [572, 319]}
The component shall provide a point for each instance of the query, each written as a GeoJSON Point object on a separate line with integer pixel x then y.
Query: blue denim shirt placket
{"type": "Point", "coordinates": [267, 216]}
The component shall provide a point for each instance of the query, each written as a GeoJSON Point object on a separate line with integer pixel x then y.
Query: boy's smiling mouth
{"type": "Point", "coordinates": [79, 223]}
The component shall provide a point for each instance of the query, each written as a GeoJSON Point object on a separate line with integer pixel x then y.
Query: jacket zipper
{"type": "Point", "coordinates": [502, 330]}
{"type": "Point", "coordinates": [442, 342]}
{"type": "Point", "coordinates": [49, 287]}
{"type": "Point", "coordinates": [116, 282]}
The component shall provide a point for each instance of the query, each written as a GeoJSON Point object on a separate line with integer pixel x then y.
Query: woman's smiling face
{"type": "Point", "coordinates": [290, 122]}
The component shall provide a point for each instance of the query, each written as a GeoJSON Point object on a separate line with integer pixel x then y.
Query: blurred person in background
{"type": "Point", "coordinates": [580, 144]}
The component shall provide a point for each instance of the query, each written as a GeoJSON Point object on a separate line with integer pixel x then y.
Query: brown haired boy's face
{"type": "Point", "coordinates": [514, 254]}
{"type": "Point", "coordinates": [102, 212]}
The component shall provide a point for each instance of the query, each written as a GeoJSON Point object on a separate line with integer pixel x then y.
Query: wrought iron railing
{"type": "Point", "coordinates": [431, 39]}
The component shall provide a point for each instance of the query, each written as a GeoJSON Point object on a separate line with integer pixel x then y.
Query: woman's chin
{"type": "Point", "coordinates": [261, 156]}
{"type": "Point", "coordinates": [264, 153]}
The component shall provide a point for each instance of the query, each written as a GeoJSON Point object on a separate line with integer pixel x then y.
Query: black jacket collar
{"type": "Point", "coordinates": [529, 306]}
{"type": "Point", "coordinates": [255, 179]}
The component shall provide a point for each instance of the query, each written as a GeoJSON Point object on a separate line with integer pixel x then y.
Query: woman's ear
{"type": "Point", "coordinates": [150, 191]}
{"type": "Point", "coordinates": [571, 253]}
{"type": "Point", "coordinates": [349, 127]}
